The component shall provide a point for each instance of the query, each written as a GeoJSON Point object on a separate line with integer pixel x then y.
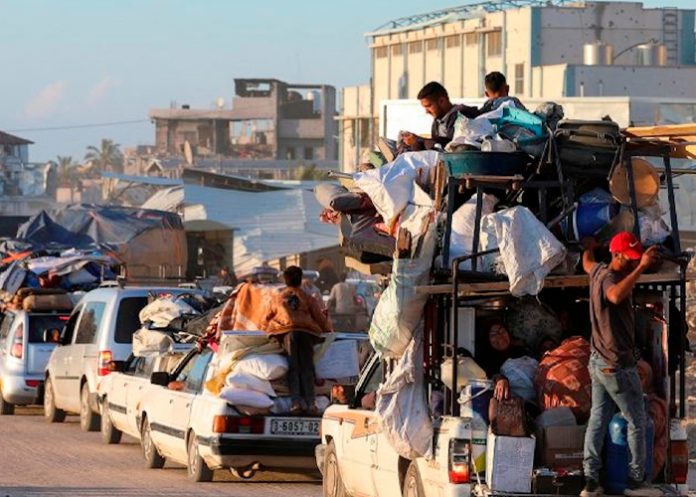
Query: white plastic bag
{"type": "Point", "coordinates": [150, 343]}
{"type": "Point", "coordinates": [463, 220]}
{"type": "Point", "coordinates": [400, 308]}
{"type": "Point", "coordinates": [401, 405]}
{"type": "Point", "coordinates": [267, 367]}
{"type": "Point", "coordinates": [653, 229]}
{"type": "Point", "coordinates": [520, 373]}
{"type": "Point", "coordinates": [471, 131]}
{"type": "Point", "coordinates": [528, 250]}
{"type": "Point", "coordinates": [246, 381]}
{"type": "Point", "coordinates": [163, 311]}
{"type": "Point", "coordinates": [243, 397]}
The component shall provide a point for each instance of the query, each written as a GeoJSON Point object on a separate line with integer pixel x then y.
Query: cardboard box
{"type": "Point", "coordinates": [561, 446]}
{"type": "Point", "coordinates": [509, 463]}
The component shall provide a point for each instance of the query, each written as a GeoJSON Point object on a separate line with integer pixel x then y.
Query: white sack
{"type": "Point", "coordinates": [163, 311]}
{"type": "Point", "coordinates": [470, 131]}
{"type": "Point", "coordinates": [242, 397]}
{"type": "Point", "coordinates": [401, 404]}
{"type": "Point", "coordinates": [520, 373]}
{"type": "Point", "coordinates": [244, 381]}
{"type": "Point", "coordinates": [390, 187]}
{"type": "Point", "coordinates": [416, 217]}
{"type": "Point", "coordinates": [267, 367]}
{"type": "Point", "coordinates": [400, 308]}
{"type": "Point", "coordinates": [149, 343]}
{"type": "Point", "coordinates": [463, 221]}
{"type": "Point", "coordinates": [528, 250]}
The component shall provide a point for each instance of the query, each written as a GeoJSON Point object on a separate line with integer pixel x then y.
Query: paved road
{"type": "Point", "coordinates": [61, 460]}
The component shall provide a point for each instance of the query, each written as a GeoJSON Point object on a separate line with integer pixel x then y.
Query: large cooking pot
{"type": "Point", "coordinates": [479, 163]}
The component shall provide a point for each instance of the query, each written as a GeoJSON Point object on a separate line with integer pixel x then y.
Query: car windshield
{"type": "Point", "coordinates": [40, 323]}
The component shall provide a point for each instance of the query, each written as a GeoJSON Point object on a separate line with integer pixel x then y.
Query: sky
{"type": "Point", "coordinates": [80, 62]}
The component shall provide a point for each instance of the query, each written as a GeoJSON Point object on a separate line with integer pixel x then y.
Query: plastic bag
{"type": "Point", "coordinates": [163, 311]}
{"type": "Point", "coordinates": [246, 381]}
{"type": "Point", "coordinates": [467, 369]}
{"type": "Point", "coordinates": [520, 373]}
{"type": "Point", "coordinates": [462, 238]}
{"type": "Point", "coordinates": [653, 229]}
{"type": "Point", "coordinates": [267, 367]}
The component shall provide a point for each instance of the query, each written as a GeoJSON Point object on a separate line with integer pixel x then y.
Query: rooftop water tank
{"type": "Point", "coordinates": [598, 53]}
{"type": "Point", "coordinates": [651, 54]}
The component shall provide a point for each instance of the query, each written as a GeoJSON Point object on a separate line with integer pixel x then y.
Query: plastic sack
{"type": "Point", "coordinates": [471, 131]}
{"type": "Point", "coordinates": [163, 311]}
{"type": "Point", "coordinates": [390, 187]}
{"type": "Point", "coordinates": [245, 381]}
{"type": "Point", "coordinates": [267, 367]}
{"type": "Point", "coordinates": [467, 369]}
{"type": "Point", "coordinates": [520, 373]}
{"type": "Point", "coordinates": [400, 308]}
{"type": "Point", "coordinates": [528, 250]}
{"type": "Point", "coordinates": [653, 229]}
{"type": "Point", "coordinates": [401, 405]}
{"type": "Point", "coordinates": [149, 343]}
{"type": "Point", "coordinates": [462, 237]}
{"type": "Point", "coordinates": [243, 397]}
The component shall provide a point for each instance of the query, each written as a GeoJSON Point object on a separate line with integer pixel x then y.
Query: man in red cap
{"type": "Point", "coordinates": [615, 380]}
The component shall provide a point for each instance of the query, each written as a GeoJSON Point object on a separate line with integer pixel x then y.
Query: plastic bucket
{"type": "Point", "coordinates": [475, 398]}
{"type": "Point", "coordinates": [588, 219]}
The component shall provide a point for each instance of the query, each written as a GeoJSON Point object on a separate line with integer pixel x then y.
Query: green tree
{"type": "Point", "coordinates": [108, 157]}
{"type": "Point", "coordinates": [66, 170]}
{"type": "Point", "coordinates": [309, 173]}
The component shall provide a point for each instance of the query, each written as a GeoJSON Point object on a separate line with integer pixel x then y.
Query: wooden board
{"type": "Point", "coordinates": [681, 138]}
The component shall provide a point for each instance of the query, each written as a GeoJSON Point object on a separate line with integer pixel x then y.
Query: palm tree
{"type": "Point", "coordinates": [106, 158]}
{"type": "Point", "coordinates": [66, 172]}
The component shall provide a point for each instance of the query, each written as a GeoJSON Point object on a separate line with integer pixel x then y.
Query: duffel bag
{"type": "Point", "coordinates": [587, 147]}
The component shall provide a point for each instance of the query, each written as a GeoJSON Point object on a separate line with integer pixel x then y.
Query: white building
{"type": "Point", "coordinates": [548, 50]}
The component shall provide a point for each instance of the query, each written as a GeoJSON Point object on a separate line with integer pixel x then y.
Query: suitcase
{"type": "Point", "coordinates": [587, 148]}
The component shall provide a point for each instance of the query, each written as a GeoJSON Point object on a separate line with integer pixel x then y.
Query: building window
{"type": "Point", "coordinates": [308, 153]}
{"type": "Point", "coordinates": [453, 41]}
{"type": "Point", "coordinates": [494, 43]}
{"type": "Point", "coordinates": [470, 39]}
{"type": "Point", "coordinates": [290, 153]}
{"type": "Point", "coordinates": [519, 79]}
{"type": "Point", "coordinates": [396, 50]}
{"type": "Point", "coordinates": [380, 52]}
{"type": "Point", "coordinates": [434, 44]}
{"type": "Point", "coordinates": [415, 47]}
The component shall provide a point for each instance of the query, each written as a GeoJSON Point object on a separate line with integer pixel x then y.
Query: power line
{"type": "Point", "coordinates": [79, 126]}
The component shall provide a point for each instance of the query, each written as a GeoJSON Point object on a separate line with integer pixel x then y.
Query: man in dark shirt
{"type": "Point", "coordinates": [436, 102]}
{"type": "Point", "coordinates": [615, 380]}
{"type": "Point", "coordinates": [497, 91]}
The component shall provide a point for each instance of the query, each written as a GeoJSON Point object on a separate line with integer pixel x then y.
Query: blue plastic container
{"type": "Point", "coordinates": [475, 397]}
{"type": "Point", "coordinates": [617, 454]}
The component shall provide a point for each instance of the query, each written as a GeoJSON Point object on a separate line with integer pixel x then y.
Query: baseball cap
{"type": "Point", "coordinates": [627, 244]}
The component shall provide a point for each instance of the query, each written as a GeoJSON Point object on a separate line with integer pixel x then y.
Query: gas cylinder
{"type": "Point", "coordinates": [617, 453]}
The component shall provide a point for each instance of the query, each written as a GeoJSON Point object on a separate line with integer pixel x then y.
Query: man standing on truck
{"type": "Point", "coordinates": [615, 379]}
{"type": "Point", "coordinates": [296, 321]}
{"type": "Point", "coordinates": [436, 102]}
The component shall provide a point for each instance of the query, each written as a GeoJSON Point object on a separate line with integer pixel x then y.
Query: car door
{"type": "Point", "coordinates": [4, 332]}
{"type": "Point", "coordinates": [359, 436]}
{"type": "Point", "coordinates": [85, 335]}
{"type": "Point", "coordinates": [138, 385]}
{"type": "Point", "coordinates": [38, 351]}
{"type": "Point", "coordinates": [58, 364]}
{"type": "Point", "coordinates": [117, 395]}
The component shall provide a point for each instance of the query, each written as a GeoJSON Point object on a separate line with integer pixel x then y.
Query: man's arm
{"type": "Point", "coordinates": [620, 291]}
{"type": "Point", "coordinates": [588, 258]}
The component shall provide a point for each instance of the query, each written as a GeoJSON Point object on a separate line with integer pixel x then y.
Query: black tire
{"type": "Point", "coordinates": [89, 420]}
{"type": "Point", "coordinates": [51, 413]}
{"type": "Point", "coordinates": [153, 459]}
{"type": "Point", "coordinates": [109, 433]}
{"type": "Point", "coordinates": [6, 408]}
{"type": "Point", "coordinates": [413, 486]}
{"type": "Point", "coordinates": [196, 468]}
{"type": "Point", "coordinates": [332, 483]}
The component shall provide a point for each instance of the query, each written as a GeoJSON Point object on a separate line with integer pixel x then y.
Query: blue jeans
{"type": "Point", "coordinates": [621, 388]}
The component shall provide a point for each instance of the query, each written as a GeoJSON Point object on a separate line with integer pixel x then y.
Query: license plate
{"type": "Point", "coordinates": [294, 426]}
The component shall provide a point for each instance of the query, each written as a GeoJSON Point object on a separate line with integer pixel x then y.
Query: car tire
{"type": "Point", "coordinates": [6, 408]}
{"type": "Point", "coordinates": [89, 420]}
{"type": "Point", "coordinates": [153, 459]}
{"type": "Point", "coordinates": [110, 434]}
{"type": "Point", "coordinates": [196, 468]}
{"type": "Point", "coordinates": [332, 483]}
{"type": "Point", "coordinates": [51, 413]}
{"type": "Point", "coordinates": [413, 485]}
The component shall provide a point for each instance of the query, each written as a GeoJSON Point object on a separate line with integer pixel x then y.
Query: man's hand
{"type": "Point", "coordinates": [649, 257]}
{"type": "Point", "coordinates": [502, 389]}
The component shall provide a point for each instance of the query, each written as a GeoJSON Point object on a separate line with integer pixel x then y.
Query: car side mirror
{"type": "Point", "coordinates": [51, 335]}
{"type": "Point", "coordinates": [160, 378]}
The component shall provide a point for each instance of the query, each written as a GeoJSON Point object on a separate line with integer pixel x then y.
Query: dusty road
{"type": "Point", "coordinates": [61, 460]}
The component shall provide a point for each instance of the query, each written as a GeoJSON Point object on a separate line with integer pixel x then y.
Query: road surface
{"type": "Point", "coordinates": [37, 459]}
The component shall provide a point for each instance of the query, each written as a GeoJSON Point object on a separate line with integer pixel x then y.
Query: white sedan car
{"type": "Point", "coordinates": [120, 394]}
{"type": "Point", "coordinates": [204, 432]}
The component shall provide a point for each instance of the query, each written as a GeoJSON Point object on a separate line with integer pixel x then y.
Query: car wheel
{"type": "Point", "coordinates": [153, 459]}
{"type": "Point", "coordinates": [110, 434]}
{"type": "Point", "coordinates": [332, 484]}
{"type": "Point", "coordinates": [196, 467]}
{"type": "Point", "coordinates": [6, 408]}
{"type": "Point", "coordinates": [51, 413]}
{"type": "Point", "coordinates": [89, 420]}
{"type": "Point", "coordinates": [413, 486]}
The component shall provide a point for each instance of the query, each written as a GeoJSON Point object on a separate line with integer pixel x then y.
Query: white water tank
{"type": "Point", "coordinates": [315, 97]}
{"type": "Point", "coordinates": [651, 54]}
{"type": "Point", "coordinates": [597, 53]}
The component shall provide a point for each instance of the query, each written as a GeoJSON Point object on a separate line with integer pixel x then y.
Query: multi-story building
{"type": "Point", "coordinates": [547, 49]}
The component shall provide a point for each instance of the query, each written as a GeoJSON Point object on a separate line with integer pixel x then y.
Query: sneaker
{"type": "Point", "coordinates": [642, 489]}
{"type": "Point", "coordinates": [592, 489]}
